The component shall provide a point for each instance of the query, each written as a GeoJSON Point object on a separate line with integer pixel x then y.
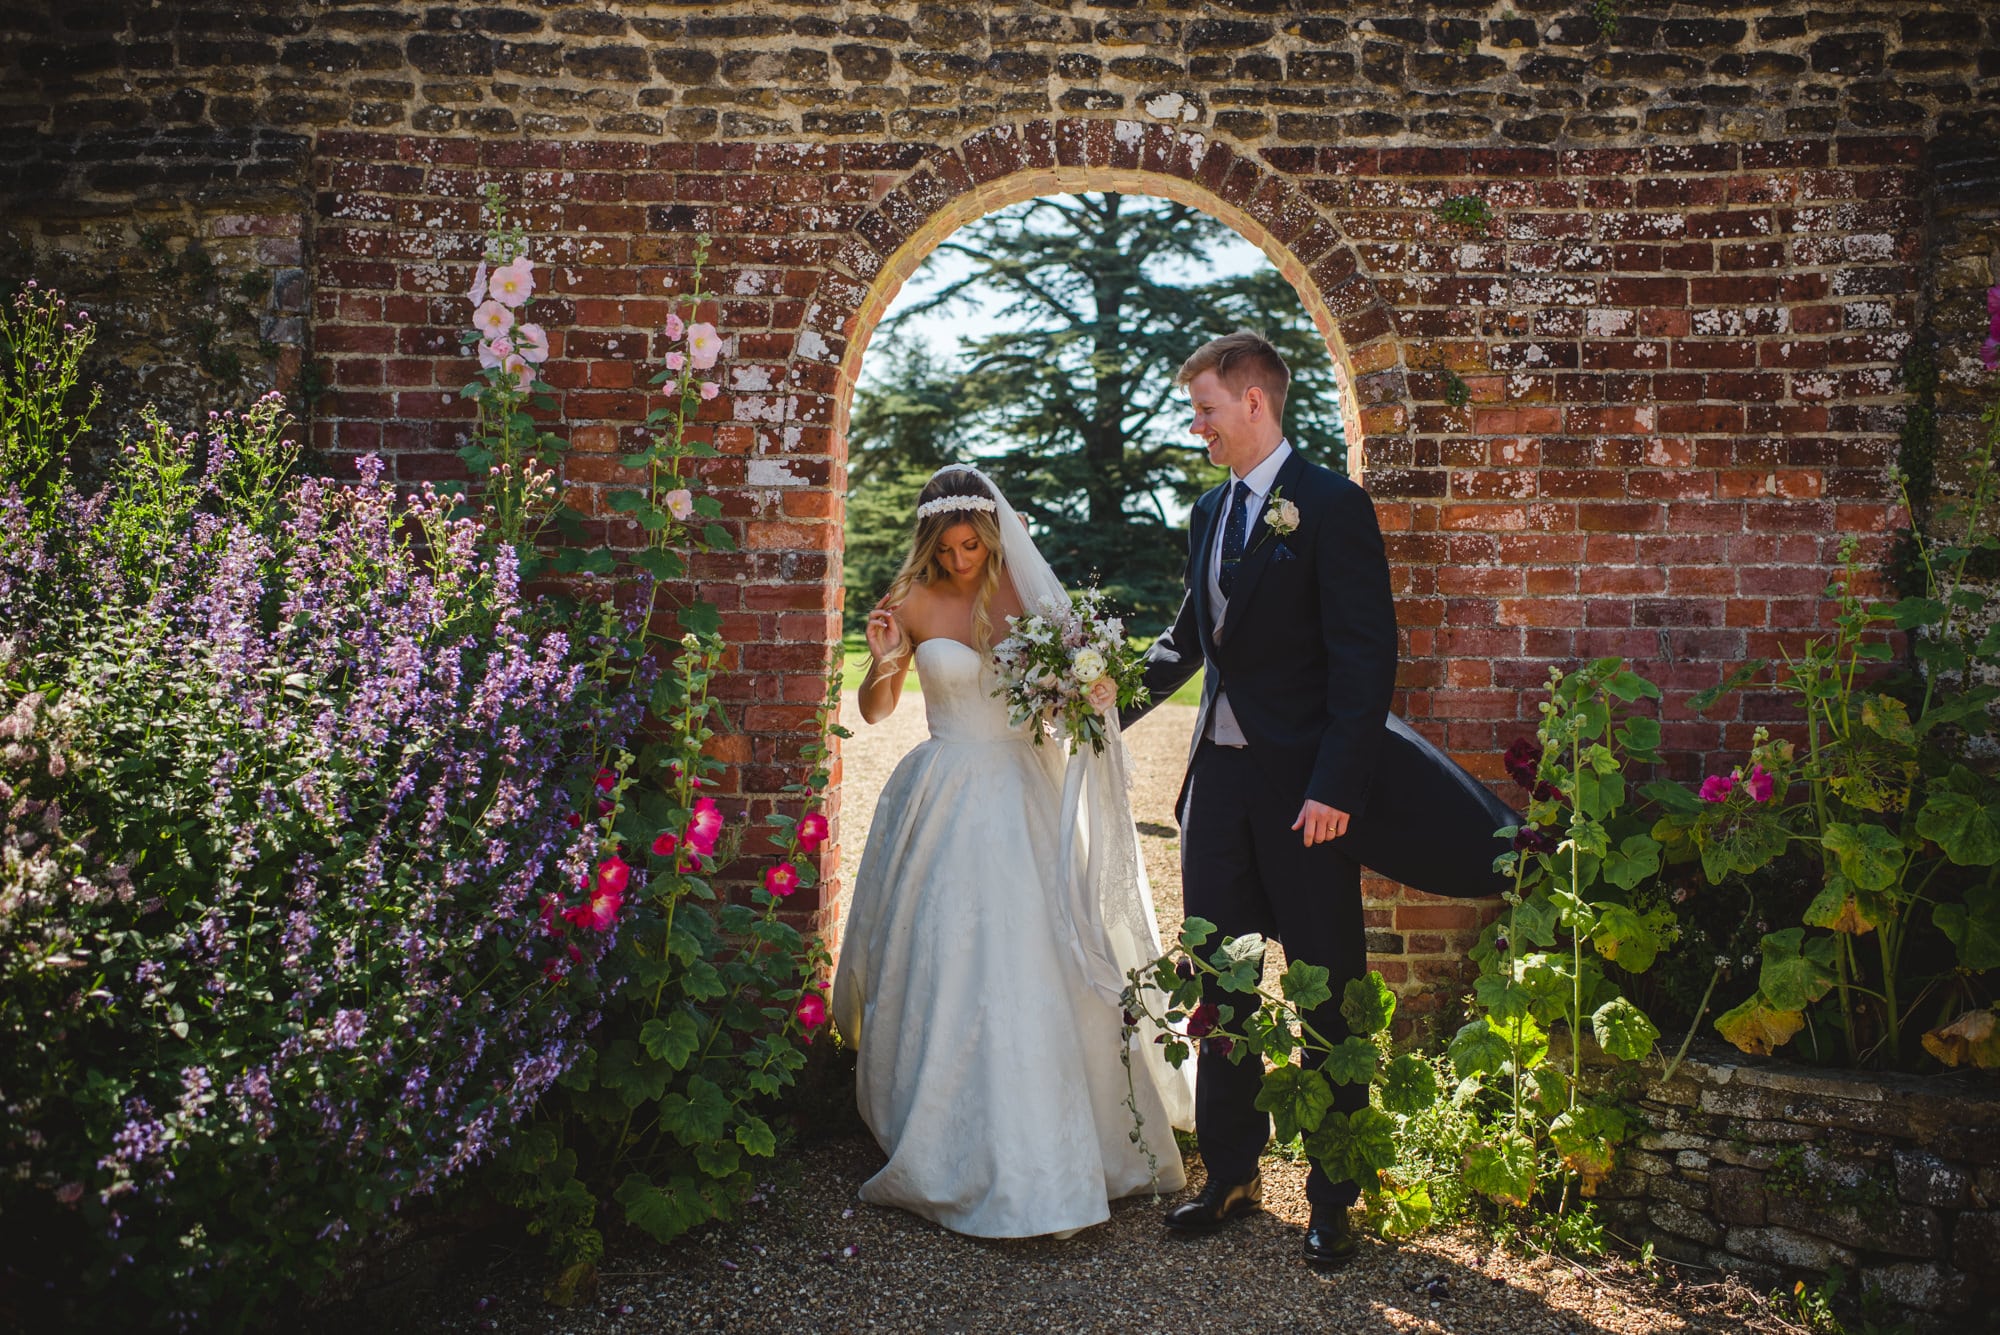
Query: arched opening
{"type": "Point", "coordinates": [1158, 747]}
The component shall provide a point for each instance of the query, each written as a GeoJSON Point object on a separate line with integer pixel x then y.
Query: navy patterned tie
{"type": "Point", "coordinates": [1234, 533]}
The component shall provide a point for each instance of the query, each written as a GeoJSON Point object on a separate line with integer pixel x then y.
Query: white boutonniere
{"type": "Point", "coordinates": [1282, 516]}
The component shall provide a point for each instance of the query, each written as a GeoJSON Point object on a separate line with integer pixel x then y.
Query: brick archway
{"type": "Point", "coordinates": [1011, 164]}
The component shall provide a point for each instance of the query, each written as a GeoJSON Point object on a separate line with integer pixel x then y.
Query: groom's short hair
{"type": "Point", "coordinates": [1240, 360]}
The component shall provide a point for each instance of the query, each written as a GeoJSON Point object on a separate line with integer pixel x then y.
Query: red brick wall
{"type": "Point", "coordinates": [1681, 368]}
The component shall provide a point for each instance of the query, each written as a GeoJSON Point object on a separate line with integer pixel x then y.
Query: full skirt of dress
{"type": "Point", "coordinates": [988, 1070]}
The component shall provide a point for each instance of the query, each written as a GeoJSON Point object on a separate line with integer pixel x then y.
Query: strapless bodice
{"type": "Point", "coordinates": [958, 682]}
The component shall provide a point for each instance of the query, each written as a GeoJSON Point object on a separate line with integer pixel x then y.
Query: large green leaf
{"type": "Point", "coordinates": [701, 1114]}
{"type": "Point", "coordinates": [1296, 1098]}
{"type": "Point", "coordinates": [1963, 827]}
{"type": "Point", "coordinates": [1587, 1138]}
{"type": "Point", "coordinates": [1636, 859]}
{"type": "Point", "coordinates": [1739, 845]}
{"type": "Point", "coordinates": [663, 1213]}
{"type": "Point", "coordinates": [1623, 1030]}
{"type": "Point", "coordinates": [1535, 920]}
{"type": "Point", "coordinates": [1478, 1049]}
{"type": "Point", "coordinates": [1870, 855]}
{"type": "Point", "coordinates": [1239, 962]}
{"type": "Point", "coordinates": [1973, 927]}
{"type": "Point", "coordinates": [672, 1040]}
{"type": "Point", "coordinates": [1304, 985]}
{"type": "Point", "coordinates": [1367, 1004]}
{"type": "Point", "coordinates": [1409, 1085]}
{"type": "Point", "coordinates": [1503, 1168]}
{"type": "Point", "coordinates": [1624, 937]}
{"type": "Point", "coordinates": [1403, 1212]}
{"type": "Point", "coordinates": [755, 1135]}
{"type": "Point", "coordinates": [1352, 1062]}
{"type": "Point", "coordinates": [1798, 969]}
{"type": "Point", "coordinates": [1354, 1146]}
{"type": "Point", "coordinates": [1195, 932]}
{"type": "Point", "coordinates": [637, 1077]}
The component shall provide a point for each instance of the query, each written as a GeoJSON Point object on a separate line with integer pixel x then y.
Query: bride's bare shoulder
{"type": "Point", "coordinates": [1006, 598]}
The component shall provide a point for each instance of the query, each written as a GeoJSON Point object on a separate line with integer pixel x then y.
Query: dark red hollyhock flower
{"type": "Point", "coordinates": [1547, 792]}
{"type": "Point", "coordinates": [1522, 760]}
{"type": "Point", "coordinates": [1220, 1047]}
{"type": "Point", "coordinates": [1202, 1020]}
{"type": "Point", "coordinates": [1528, 839]}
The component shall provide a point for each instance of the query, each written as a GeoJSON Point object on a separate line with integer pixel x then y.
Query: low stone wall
{"type": "Point", "coordinates": [1778, 1172]}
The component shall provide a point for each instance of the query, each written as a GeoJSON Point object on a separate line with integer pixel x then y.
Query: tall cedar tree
{"type": "Point", "coordinates": [1072, 406]}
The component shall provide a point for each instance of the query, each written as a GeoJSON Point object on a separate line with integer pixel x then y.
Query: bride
{"type": "Point", "coordinates": [996, 908]}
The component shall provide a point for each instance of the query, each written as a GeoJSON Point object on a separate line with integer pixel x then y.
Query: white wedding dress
{"type": "Point", "coordinates": [989, 1063]}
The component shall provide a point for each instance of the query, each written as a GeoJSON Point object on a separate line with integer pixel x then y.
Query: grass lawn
{"type": "Point", "coordinates": [854, 660]}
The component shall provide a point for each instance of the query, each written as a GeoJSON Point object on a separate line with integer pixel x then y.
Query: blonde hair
{"type": "Point", "coordinates": [922, 566]}
{"type": "Point", "coordinates": [1240, 360]}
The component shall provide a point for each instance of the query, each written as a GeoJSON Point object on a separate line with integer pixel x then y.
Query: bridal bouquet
{"type": "Point", "coordinates": [1052, 659]}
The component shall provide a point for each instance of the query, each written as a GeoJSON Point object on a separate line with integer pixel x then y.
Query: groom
{"type": "Point", "coordinates": [1298, 775]}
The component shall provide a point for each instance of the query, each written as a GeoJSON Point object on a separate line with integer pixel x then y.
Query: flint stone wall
{"type": "Point", "coordinates": [1631, 413]}
{"type": "Point", "coordinates": [1777, 1173]}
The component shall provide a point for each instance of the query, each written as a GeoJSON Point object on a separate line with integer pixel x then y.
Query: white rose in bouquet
{"type": "Point", "coordinates": [1087, 666]}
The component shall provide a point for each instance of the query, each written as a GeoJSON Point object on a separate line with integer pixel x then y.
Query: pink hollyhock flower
{"type": "Point", "coordinates": [1993, 302]}
{"type": "Point", "coordinates": [705, 826]}
{"type": "Point", "coordinates": [613, 874]}
{"type": "Point", "coordinates": [1759, 784]}
{"type": "Point", "coordinates": [606, 780]}
{"type": "Point", "coordinates": [709, 389]}
{"type": "Point", "coordinates": [704, 345]}
{"type": "Point", "coordinates": [781, 880]}
{"type": "Point", "coordinates": [532, 342]}
{"type": "Point", "coordinates": [517, 365]}
{"type": "Point", "coordinates": [492, 319]}
{"type": "Point", "coordinates": [675, 360]}
{"type": "Point", "coordinates": [1202, 1020]}
{"type": "Point", "coordinates": [494, 352]}
{"type": "Point", "coordinates": [478, 292]}
{"type": "Point", "coordinates": [680, 504]}
{"type": "Point", "coordinates": [511, 283]}
{"type": "Point", "coordinates": [811, 1010]}
{"type": "Point", "coordinates": [664, 844]}
{"type": "Point", "coordinates": [673, 328]}
{"type": "Point", "coordinates": [1716, 787]}
{"type": "Point", "coordinates": [600, 912]}
{"type": "Point", "coordinates": [813, 830]}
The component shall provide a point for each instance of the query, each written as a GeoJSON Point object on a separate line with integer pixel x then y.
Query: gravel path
{"type": "Point", "coordinates": [810, 1258]}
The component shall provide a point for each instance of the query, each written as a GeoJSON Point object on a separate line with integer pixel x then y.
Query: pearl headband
{"type": "Point", "coordinates": [950, 504]}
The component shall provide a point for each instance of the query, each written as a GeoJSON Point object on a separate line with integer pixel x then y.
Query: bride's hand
{"type": "Point", "coordinates": [1103, 695]}
{"type": "Point", "coordinates": [885, 634]}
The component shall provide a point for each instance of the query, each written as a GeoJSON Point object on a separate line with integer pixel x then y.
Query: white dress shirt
{"type": "Point", "coordinates": [1222, 726]}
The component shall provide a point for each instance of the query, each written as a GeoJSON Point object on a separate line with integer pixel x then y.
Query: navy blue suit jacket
{"type": "Point", "coordinates": [1307, 647]}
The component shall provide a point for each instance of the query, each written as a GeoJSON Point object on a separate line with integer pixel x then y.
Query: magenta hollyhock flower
{"type": "Point", "coordinates": [704, 826]}
{"type": "Point", "coordinates": [813, 830]}
{"type": "Point", "coordinates": [811, 1010]}
{"type": "Point", "coordinates": [613, 874]}
{"type": "Point", "coordinates": [606, 780]}
{"type": "Point", "coordinates": [1202, 1020]}
{"type": "Point", "coordinates": [673, 328]}
{"type": "Point", "coordinates": [1989, 354]}
{"type": "Point", "coordinates": [1993, 306]}
{"type": "Point", "coordinates": [664, 844]}
{"type": "Point", "coordinates": [1716, 787]}
{"type": "Point", "coordinates": [600, 911]}
{"type": "Point", "coordinates": [782, 879]}
{"type": "Point", "coordinates": [1759, 784]}
{"type": "Point", "coordinates": [574, 820]}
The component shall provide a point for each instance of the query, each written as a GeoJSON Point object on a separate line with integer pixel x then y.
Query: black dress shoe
{"type": "Point", "coordinates": [1330, 1243]}
{"type": "Point", "coordinates": [1215, 1205]}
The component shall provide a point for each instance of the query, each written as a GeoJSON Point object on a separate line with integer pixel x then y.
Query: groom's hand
{"type": "Point", "coordinates": [1320, 822]}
